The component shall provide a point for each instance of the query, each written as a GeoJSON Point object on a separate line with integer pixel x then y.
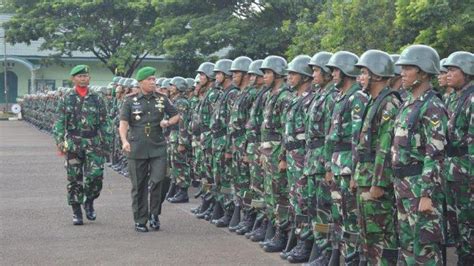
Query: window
{"type": "Point", "coordinates": [43, 85]}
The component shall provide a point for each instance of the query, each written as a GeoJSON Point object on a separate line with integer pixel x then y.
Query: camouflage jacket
{"type": "Point", "coordinates": [423, 143]}
{"type": "Point", "coordinates": [179, 133]}
{"type": "Point", "coordinates": [253, 132]}
{"type": "Point", "coordinates": [239, 116]}
{"type": "Point", "coordinates": [318, 122]}
{"type": "Point", "coordinates": [345, 128]}
{"type": "Point", "coordinates": [461, 134]}
{"type": "Point", "coordinates": [82, 116]}
{"type": "Point", "coordinates": [220, 118]}
{"type": "Point", "coordinates": [274, 116]}
{"type": "Point", "coordinates": [205, 110]}
{"type": "Point", "coordinates": [373, 150]}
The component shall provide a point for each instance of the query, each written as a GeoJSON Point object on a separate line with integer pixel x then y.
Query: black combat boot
{"type": "Point", "coordinates": [301, 254]}
{"type": "Point", "coordinates": [352, 259]}
{"type": "Point", "coordinates": [247, 224]}
{"type": "Point", "coordinates": [277, 243]}
{"type": "Point", "coordinates": [258, 222]}
{"type": "Point", "coordinates": [89, 208]}
{"type": "Point", "coordinates": [259, 233]}
{"type": "Point", "coordinates": [181, 196]}
{"type": "Point", "coordinates": [207, 211]}
{"type": "Point", "coordinates": [235, 219]}
{"type": "Point", "coordinates": [77, 214]}
{"type": "Point", "coordinates": [290, 245]}
{"type": "Point", "coordinates": [224, 220]}
{"type": "Point", "coordinates": [217, 212]}
{"type": "Point", "coordinates": [269, 234]}
{"type": "Point", "coordinates": [335, 257]}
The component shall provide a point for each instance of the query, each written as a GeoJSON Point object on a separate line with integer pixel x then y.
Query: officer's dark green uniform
{"type": "Point", "coordinates": [148, 157]}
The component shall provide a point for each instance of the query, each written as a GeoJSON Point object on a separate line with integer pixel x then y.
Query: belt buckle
{"type": "Point", "coordinates": [147, 130]}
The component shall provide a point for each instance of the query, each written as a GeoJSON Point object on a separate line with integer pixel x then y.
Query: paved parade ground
{"type": "Point", "coordinates": [36, 223]}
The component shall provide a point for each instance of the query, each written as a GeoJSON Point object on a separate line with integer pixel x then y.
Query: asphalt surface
{"type": "Point", "coordinates": [36, 222]}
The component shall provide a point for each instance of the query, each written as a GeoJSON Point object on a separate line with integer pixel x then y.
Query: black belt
{"type": "Point", "coordinates": [407, 170]}
{"type": "Point", "coordinates": [253, 139]}
{"type": "Point", "coordinates": [272, 137]}
{"type": "Point", "coordinates": [316, 143]}
{"type": "Point", "coordinates": [205, 129]}
{"type": "Point", "coordinates": [342, 147]}
{"type": "Point", "coordinates": [367, 158]}
{"type": "Point", "coordinates": [293, 145]}
{"type": "Point", "coordinates": [84, 134]}
{"type": "Point", "coordinates": [456, 151]}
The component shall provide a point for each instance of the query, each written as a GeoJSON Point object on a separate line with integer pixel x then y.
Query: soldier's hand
{"type": "Point", "coordinates": [329, 177]}
{"type": "Point", "coordinates": [353, 185]}
{"type": "Point", "coordinates": [126, 147]}
{"type": "Point", "coordinates": [245, 159]}
{"type": "Point", "coordinates": [164, 123]}
{"type": "Point", "coordinates": [181, 148]}
{"type": "Point", "coordinates": [228, 155]}
{"type": "Point", "coordinates": [426, 205]}
{"type": "Point", "coordinates": [282, 166]}
{"type": "Point", "coordinates": [376, 192]}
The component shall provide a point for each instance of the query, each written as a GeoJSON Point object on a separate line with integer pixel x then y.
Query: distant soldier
{"type": "Point", "coordinates": [418, 151]}
{"type": "Point", "coordinates": [460, 150]}
{"type": "Point", "coordinates": [83, 132]}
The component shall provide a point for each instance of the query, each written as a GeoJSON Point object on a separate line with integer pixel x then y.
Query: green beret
{"type": "Point", "coordinates": [79, 69]}
{"type": "Point", "coordinates": [145, 72]}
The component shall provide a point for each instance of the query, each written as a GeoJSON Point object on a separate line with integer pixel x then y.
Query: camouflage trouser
{"type": "Point", "coordinates": [241, 180]}
{"type": "Point", "coordinates": [344, 212]}
{"type": "Point", "coordinates": [206, 165]}
{"type": "Point", "coordinates": [197, 159]}
{"type": "Point", "coordinates": [221, 169]}
{"type": "Point", "coordinates": [275, 182]}
{"type": "Point", "coordinates": [377, 227]}
{"type": "Point", "coordinates": [464, 203]}
{"type": "Point", "coordinates": [180, 168]}
{"type": "Point", "coordinates": [256, 171]}
{"type": "Point", "coordinates": [322, 209]}
{"type": "Point", "coordinates": [299, 190]}
{"type": "Point", "coordinates": [419, 233]}
{"type": "Point", "coordinates": [84, 166]}
{"type": "Point", "coordinates": [452, 236]}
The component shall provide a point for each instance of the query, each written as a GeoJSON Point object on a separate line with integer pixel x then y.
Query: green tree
{"type": "Point", "coordinates": [117, 32]}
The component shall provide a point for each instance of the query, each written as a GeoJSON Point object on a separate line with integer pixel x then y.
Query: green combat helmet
{"type": "Point", "coordinates": [180, 83]}
{"type": "Point", "coordinates": [159, 81]}
{"type": "Point", "coordinates": [121, 82]}
{"type": "Point", "coordinates": [166, 83]}
{"type": "Point", "coordinates": [320, 60]}
{"type": "Point", "coordinates": [254, 67]}
{"type": "Point", "coordinates": [190, 82]}
{"type": "Point", "coordinates": [396, 69]}
{"type": "Point", "coordinates": [300, 65]}
{"type": "Point", "coordinates": [275, 63]}
{"type": "Point", "coordinates": [462, 60]}
{"type": "Point", "coordinates": [442, 69]}
{"type": "Point", "coordinates": [421, 56]}
{"type": "Point", "coordinates": [134, 84]}
{"type": "Point", "coordinates": [223, 66]}
{"type": "Point", "coordinates": [378, 62]}
{"type": "Point", "coordinates": [345, 61]}
{"type": "Point", "coordinates": [207, 68]}
{"type": "Point", "coordinates": [115, 80]}
{"type": "Point", "coordinates": [241, 64]}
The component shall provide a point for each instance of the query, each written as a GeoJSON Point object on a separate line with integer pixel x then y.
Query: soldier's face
{"type": "Point", "coordinates": [237, 78]}
{"type": "Point", "coordinates": [455, 77]}
{"type": "Point", "coordinates": [409, 76]}
{"type": "Point", "coordinates": [173, 90]}
{"type": "Point", "coordinates": [293, 79]}
{"type": "Point", "coordinates": [220, 77]}
{"type": "Point", "coordinates": [443, 79]}
{"type": "Point", "coordinates": [148, 85]}
{"type": "Point", "coordinates": [336, 75]}
{"type": "Point", "coordinates": [318, 75]}
{"type": "Point", "coordinates": [81, 80]}
{"type": "Point", "coordinates": [202, 78]}
{"type": "Point", "coordinates": [268, 77]}
{"type": "Point", "coordinates": [364, 77]}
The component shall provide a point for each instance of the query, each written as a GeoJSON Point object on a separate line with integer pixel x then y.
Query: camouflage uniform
{"type": "Point", "coordinates": [376, 216]}
{"type": "Point", "coordinates": [420, 150]}
{"type": "Point", "coordinates": [85, 130]}
{"type": "Point", "coordinates": [180, 168]}
{"type": "Point", "coordinates": [319, 119]}
{"type": "Point", "coordinates": [342, 137]}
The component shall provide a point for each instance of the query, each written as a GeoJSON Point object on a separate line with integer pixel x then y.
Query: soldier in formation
{"type": "Point", "coordinates": [327, 157]}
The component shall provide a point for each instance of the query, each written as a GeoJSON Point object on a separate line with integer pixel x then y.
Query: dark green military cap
{"type": "Point", "coordinates": [79, 69]}
{"type": "Point", "coordinates": [145, 72]}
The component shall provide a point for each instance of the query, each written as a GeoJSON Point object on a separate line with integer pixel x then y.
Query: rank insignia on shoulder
{"type": "Point", "coordinates": [435, 122]}
{"type": "Point", "coordinates": [357, 108]}
{"type": "Point", "coordinates": [385, 116]}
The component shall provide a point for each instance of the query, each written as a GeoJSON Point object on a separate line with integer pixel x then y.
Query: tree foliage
{"type": "Point", "coordinates": [121, 33]}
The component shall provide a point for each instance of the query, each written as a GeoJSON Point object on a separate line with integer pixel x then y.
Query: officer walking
{"type": "Point", "coordinates": [83, 132]}
{"type": "Point", "coordinates": [142, 117]}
